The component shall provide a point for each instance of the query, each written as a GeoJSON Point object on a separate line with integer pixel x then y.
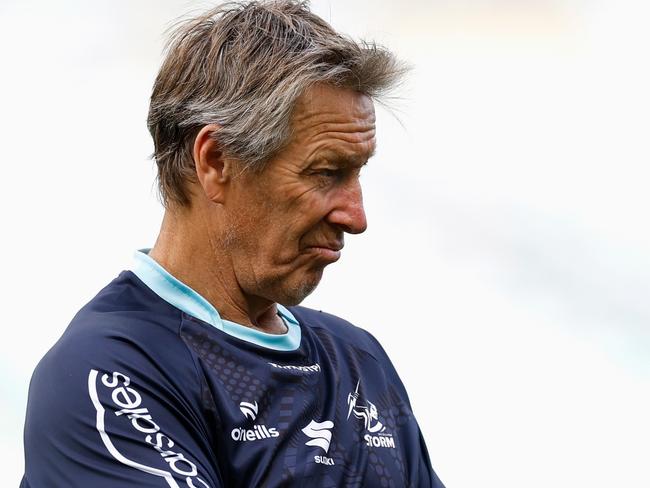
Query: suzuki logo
{"type": "Point", "coordinates": [320, 434]}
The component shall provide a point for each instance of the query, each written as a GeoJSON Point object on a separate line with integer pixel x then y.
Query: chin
{"type": "Point", "coordinates": [294, 293]}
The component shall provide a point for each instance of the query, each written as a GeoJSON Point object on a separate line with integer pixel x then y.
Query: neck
{"type": "Point", "coordinates": [191, 253]}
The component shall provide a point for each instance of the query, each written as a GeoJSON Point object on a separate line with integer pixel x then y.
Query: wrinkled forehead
{"type": "Point", "coordinates": [341, 104]}
{"type": "Point", "coordinates": [328, 118]}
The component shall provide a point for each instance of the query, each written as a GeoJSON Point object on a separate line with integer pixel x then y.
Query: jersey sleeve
{"type": "Point", "coordinates": [423, 474]}
{"type": "Point", "coordinates": [104, 413]}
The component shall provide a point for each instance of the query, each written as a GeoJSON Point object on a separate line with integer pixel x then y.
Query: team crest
{"type": "Point", "coordinates": [366, 411]}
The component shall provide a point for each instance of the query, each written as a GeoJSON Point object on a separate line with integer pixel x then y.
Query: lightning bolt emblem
{"type": "Point", "coordinates": [352, 399]}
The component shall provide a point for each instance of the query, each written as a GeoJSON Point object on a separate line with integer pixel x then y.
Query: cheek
{"type": "Point", "coordinates": [269, 240]}
{"type": "Point", "coordinates": [315, 207]}
{"type": "Point", "coordinates": [272, 231]}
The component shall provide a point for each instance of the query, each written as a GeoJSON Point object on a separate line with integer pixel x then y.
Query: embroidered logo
{"type": "Point", "coordinates": [321, 436]}
{"type": "Point", "coordinates": [368, 413]}
{"type": "Point", "coordinates": [258, 432]}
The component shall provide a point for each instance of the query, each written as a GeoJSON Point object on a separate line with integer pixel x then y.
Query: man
{"type": "Point", "coordinates": [196, 368]}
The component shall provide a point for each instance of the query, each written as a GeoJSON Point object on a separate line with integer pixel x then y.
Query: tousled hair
{"type": "Point", "coordinates": [243, 65]}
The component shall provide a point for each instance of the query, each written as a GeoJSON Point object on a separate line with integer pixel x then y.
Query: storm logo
{"type": "Point", "coordinates": [367, 411]}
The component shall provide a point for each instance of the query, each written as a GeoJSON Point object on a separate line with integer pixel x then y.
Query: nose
{"type": "Point", "coordinates": [348, 213]}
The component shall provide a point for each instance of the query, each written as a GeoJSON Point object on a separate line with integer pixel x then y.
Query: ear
{"type": "Point", "coordinates": [213, 169]}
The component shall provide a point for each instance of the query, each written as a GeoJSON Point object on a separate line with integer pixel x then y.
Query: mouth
{"type": "Point", "coordinates": [326, 252]}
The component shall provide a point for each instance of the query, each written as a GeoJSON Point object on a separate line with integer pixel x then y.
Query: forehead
{"type": "Point", "coordinates": [322, 100]}
{"type": "Point", "coordinates": [335, 120]}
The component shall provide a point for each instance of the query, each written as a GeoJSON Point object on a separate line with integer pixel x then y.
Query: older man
{"type": "Point", "coordinates": [196, 368]}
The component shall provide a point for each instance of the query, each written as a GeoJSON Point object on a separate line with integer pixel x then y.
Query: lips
{"type": "Point", "coordinates": [332, 247]}
{"type": "Point", "coordinates": [335, 246]}
{"type": "Point", "coordinates": [330, 251]}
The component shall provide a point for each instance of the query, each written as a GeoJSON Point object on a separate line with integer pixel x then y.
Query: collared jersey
{"type": "Point", "coordinates": [148, 387]}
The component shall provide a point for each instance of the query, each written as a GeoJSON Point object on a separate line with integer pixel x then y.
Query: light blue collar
{"type": "Point", "coordinates": [184, 298]}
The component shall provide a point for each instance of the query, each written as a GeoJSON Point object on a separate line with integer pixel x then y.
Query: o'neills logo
{"type": "Point", "coordinates": [258, 432]}
{"type": "Point", "coordinates": [312, 368]}
{"type": "Point", "coordinates": [128, 405]}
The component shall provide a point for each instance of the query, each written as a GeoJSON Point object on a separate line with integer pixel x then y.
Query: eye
{"type": "Point", "coordinates": [328, 177]}
{"type": "Point", "coordinates": [329, 172]}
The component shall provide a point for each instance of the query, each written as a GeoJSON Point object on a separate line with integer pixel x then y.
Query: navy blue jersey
{"type": "Point", "coordinates": [148, 387]}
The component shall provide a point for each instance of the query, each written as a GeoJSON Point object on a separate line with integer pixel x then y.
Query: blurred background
{"type": "Point", "coordinates": [506, 268]}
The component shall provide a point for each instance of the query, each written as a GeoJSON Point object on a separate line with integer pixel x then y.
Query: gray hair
{"type": "Point", "coordinates": [243, 65]}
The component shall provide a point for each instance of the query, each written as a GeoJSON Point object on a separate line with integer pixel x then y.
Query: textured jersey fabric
{"type": "Point", "coordinates": [139, 393]}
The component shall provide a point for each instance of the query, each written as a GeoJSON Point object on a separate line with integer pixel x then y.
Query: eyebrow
{"type": "Point", "coordinates": [343, 159]}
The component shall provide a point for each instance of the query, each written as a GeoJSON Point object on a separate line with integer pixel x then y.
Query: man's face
{"type": "Point", "coordinates": [287, 223]}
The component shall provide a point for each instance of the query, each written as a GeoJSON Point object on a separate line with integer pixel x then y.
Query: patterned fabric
{"type": "Point", "coordinates": [138, 393]}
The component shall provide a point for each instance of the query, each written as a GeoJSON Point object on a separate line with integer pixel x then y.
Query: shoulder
{"type": "Point", "coordinates": [125, 312]}
{"type": "Point", "coordinates": [350, 335]}
{"type": "Point", "coordinates": [122, 329]}
{"type": "Point", "coordinates": [126, 307]}
{"type": "Point", "coordinates": [340, 329]}
{"type": "Point", "coordinates": [118, 383]}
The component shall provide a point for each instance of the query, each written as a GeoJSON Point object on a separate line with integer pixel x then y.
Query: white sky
{"type": "Point", "coordinates": [506, 266]}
